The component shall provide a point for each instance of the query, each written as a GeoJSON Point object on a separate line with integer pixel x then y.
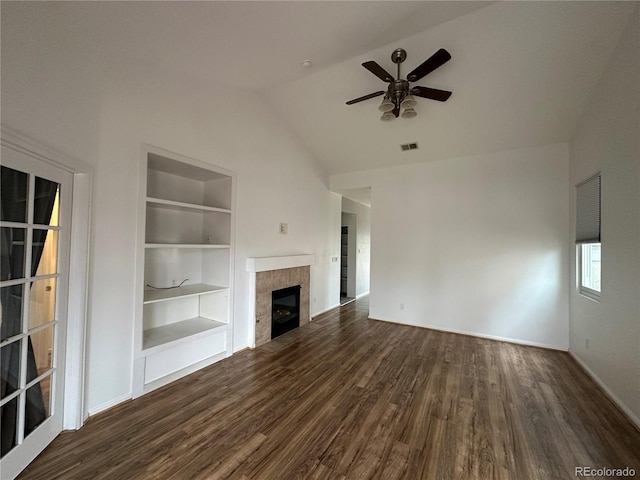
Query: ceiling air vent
{"type": "Point", "coordinates": [409, 146]}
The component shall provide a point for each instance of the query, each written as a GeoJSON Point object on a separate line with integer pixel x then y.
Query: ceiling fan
{"type": "Point", "coordinates": [399, 94]}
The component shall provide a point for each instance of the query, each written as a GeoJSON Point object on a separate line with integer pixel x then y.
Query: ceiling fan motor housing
{"type": "Point", "coordinates": [398, 89]}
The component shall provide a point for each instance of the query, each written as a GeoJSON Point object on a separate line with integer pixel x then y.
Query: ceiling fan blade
{"type": "Point", "coordinates": [366, 97]}
{"type": "Point", "coordinates": [378, 71]}
{"type": "Point", "coordinates": [434, 61]}
{"type": "Point", "coordinates": [431, 93]}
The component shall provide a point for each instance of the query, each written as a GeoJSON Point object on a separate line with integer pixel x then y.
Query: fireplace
{"type": "Point", "coordinates": [285, 310]}
{"type": "Point", "coordinates": [269, 274]}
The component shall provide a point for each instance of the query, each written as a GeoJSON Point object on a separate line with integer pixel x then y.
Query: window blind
{"type": "Point", "coordinates": [588, 211]}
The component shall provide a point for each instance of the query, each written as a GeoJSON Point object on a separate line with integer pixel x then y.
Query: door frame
{"type": "Point", "coordinates": [74, 410]}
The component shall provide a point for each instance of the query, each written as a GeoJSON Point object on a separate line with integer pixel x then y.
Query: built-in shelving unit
{"type": "Point", "coordinates": [344, 255]}
{"type": "Point", "coordinates": [184, 319]}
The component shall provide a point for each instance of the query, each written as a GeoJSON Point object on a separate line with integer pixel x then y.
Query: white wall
{"type": "Point", "coordinates": [362, 243]}
{"type": "Point", "coordinates": [608, 140]}
{"type": "Point", "coordinates": [473, 244]}
{"type": "Point", "coordinates": [325, 275]}
{"type": "Point", "coordinates": [61, 89]}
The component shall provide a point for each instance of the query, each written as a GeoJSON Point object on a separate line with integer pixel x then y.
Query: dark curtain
{"type": "Point", "coordinates": [13, 203]}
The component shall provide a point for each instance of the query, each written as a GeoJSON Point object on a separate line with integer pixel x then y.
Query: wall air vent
{"type": "Point", "coordinates": [409, 146]}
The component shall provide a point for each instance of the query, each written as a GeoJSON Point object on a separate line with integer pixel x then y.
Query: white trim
{"type": "Point", "coordinates": [251, 333]}
{"type": "Point", "coordinates": [27, 145]}
{"type": "Point", "coordinates": [137, 358]}
{"type": "Point", "coordinates": [111, 403]}
{"type": "Point", "coordinates": [337, 305]}
{"type": "Point", "coordinates": [161, 152]}
{"type": "Point", "coordinates": [74, 413]}
{"type": "Point", "coordinates": [478, 335]}
{"type": "Point", "coordinates": [607, 391]}
{"type": "Point", "coordinates": [74, 395]}
{"type": "Point", "coordinates": [589, 294]}
{"type": "Point", "coordinates": [263, 264]}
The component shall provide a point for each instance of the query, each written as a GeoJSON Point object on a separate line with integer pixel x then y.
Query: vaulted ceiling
{"type": "Point", "coordinates": [521, 72]}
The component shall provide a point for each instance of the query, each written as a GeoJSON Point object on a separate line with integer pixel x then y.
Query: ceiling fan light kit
{"type": "Point", "coordinates": [399, 94]}
{"type": "Point", "coordinates": [409, 102]}
{"type": "Point", "coordinates": [409, 113]}
{"type": "Point", "coordinates": [386, 106]}
{"type": "Point", "coordinates": [386, 116]}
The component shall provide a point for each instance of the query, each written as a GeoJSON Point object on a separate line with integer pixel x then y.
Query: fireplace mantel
{"type": "Point", "coordinates": [264, 264]}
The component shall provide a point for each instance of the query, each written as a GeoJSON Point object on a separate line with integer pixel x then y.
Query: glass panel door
{"type": "Point", "coordinates": [33, 279]}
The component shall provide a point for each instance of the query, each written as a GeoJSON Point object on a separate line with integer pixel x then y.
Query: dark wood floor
{"type": "Point", "coordinates": [351, 398]}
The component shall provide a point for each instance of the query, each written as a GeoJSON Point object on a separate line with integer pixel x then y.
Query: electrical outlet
{"type": "Point", "coordinates": [586, 343]}
{"type": "Point", "coordinates": [173, 282]}
{"type": "Point", "coordinates": [284, 228]}
{"type": "Point", "coordinates": [402, 306]}
{"type": "Point", "coordinates": [314, 299]}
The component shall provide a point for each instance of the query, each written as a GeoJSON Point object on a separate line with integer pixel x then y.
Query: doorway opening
{"type": "Point", "coordinates": [355, 245]}
{"type": "Point", "coordinates": [348, 232]}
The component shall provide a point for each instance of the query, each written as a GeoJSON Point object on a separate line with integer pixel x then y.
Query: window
{"type": "Point", "coordinates": [589, 248]}
{"type": "Point", "coordinates": [589, 258]}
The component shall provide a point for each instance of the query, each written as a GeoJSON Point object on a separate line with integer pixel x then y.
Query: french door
{"type": "Point", "coordinates": [35, 227]}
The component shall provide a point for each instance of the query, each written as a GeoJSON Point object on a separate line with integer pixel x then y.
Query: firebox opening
{"type": "Point", "coordinates": [285, 310]}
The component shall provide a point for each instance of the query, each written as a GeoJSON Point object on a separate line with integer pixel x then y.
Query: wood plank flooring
{"type": "Point", "coordinates": [351, 398]}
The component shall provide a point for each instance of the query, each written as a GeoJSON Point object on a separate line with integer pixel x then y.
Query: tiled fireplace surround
{"type": "Point", "coordinates": [274, 273]}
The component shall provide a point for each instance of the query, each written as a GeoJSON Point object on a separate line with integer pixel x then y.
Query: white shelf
{"type": "Point", "coordinates": [184, 245]}
{"type": "Point", "coordinates": [182, 206]}
{"type": "Point", "coordinates": [160, 295]}
{"type": "Point", "coordinates": [173, 332]}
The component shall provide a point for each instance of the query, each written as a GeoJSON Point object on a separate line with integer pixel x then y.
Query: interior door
{"type": "Point", "coordinates": [35, 227]}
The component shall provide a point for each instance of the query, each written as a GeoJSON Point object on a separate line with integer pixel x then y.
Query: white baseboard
{"type": "Point", "coordinates": [111, 403]}
{"type": "Point", "coordinates": [479, 335]}
{"type": "Point", "coordinates": [324, 311]}
{"type": "Point", "coordinates": [336, 306]}
{"type": "Point", "coordinates": [612, 396]}
{"type": "Point", "coordinates": [244, 346]}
